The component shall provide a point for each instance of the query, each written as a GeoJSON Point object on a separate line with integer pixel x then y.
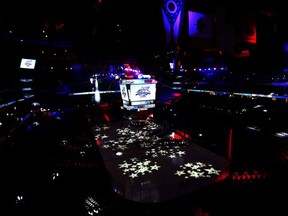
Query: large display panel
{"type": "Point", "coordinates": [27, 63]}
{"type": "Point", "coordinates": [138, 93]}
{"type": "Point", "coordinates": [124, 93]}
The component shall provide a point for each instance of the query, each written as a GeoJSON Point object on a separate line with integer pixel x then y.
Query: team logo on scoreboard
{"type": "Point", "coordinates": [143, 91]}
{"type": "Point", "coordinates": [123, 92]}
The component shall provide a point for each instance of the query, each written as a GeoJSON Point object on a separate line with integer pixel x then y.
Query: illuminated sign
{"type": "Point", "coordinates": [138, 93]}
{"type": "Point", "coordinates": [27, 63]}
{"type": "Point", "coordinates": [124, 93]}
{"type": "Point", "coordinates": [142, 92]}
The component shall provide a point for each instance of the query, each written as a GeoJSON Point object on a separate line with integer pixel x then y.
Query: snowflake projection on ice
{"type": "Point", "coordinates": [93, 206]}
{"type": "Point", "coordinates": [101, 127]}
{"type": "Point", "coordinates": [137, 167]}
{"type": "Point", "coordinates": [197, 170]}
{"type": "Point", "coordinates": [142, 138]}
{"type": "Point", "coordinates": [170, 152]}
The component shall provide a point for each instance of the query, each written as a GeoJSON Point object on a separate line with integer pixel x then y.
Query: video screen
{"type": "Point", "coordinates": [124, 92]}
{"type": "Point", "coordinates": [28, 63]}
{"type": "Point", "coordinates": [140, 92]}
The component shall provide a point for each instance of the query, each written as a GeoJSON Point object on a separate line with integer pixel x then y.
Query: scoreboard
{"type": "Point", "coordinates": [138, 94]}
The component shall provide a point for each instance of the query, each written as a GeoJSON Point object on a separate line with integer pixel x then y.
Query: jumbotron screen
{"type": "Point", "coordinates": [27, 63]}
{"type": "Point", "coordinates": [138, 93]}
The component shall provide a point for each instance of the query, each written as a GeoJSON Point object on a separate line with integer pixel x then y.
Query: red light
{"type": "Point", "coordinates": [150, 81]}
